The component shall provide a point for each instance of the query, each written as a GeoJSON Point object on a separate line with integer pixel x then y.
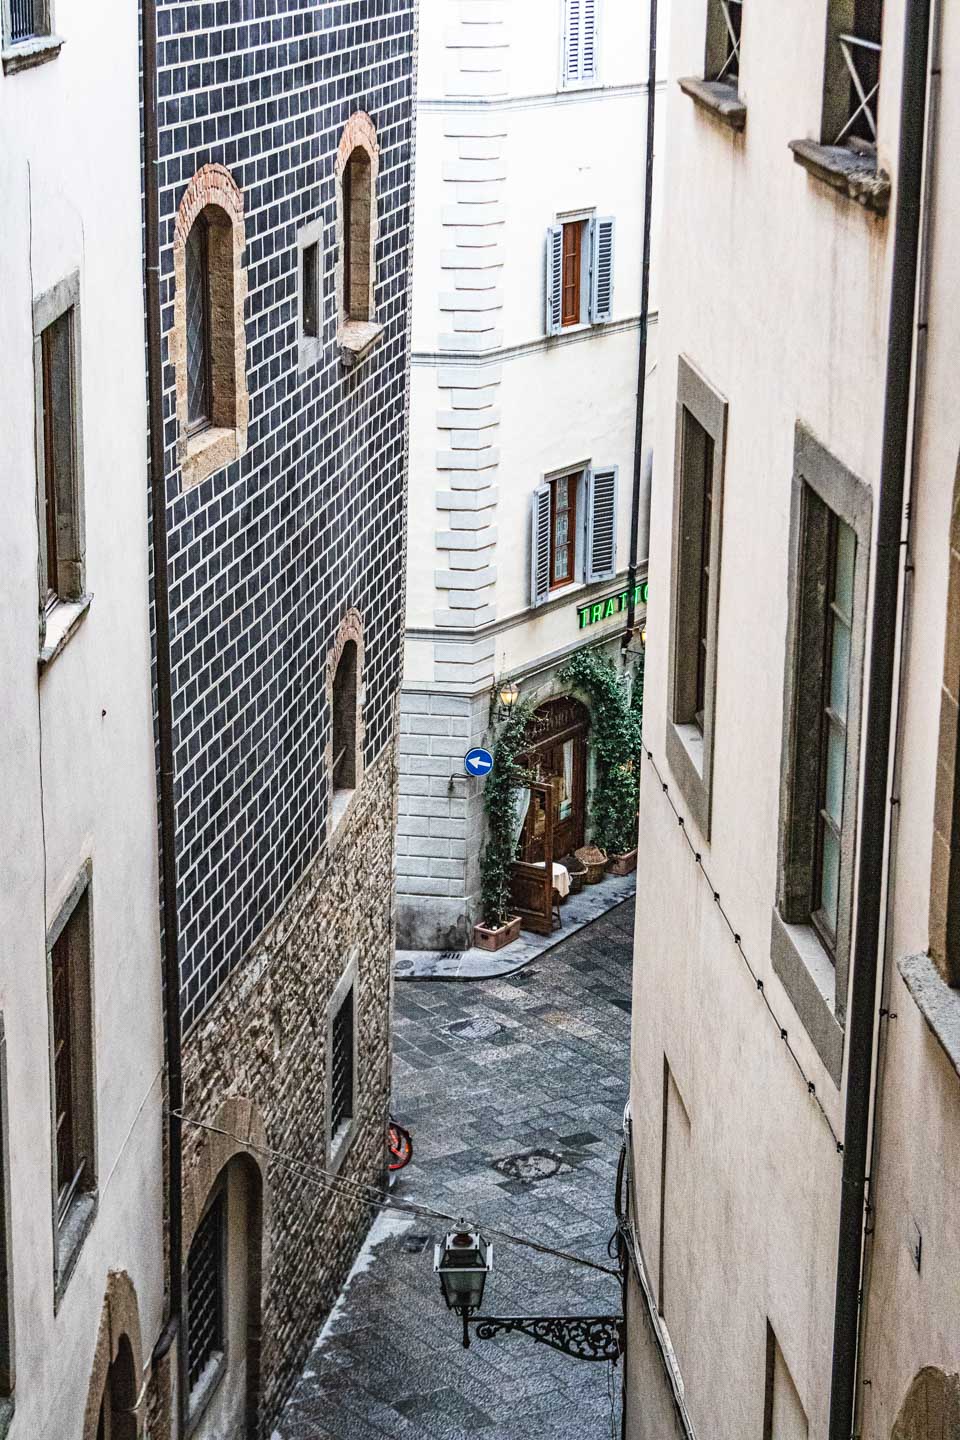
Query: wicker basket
{"type": "Point", "coordinates": [594, 861]}
{"type": "Point", "coordinates": [577, 873]}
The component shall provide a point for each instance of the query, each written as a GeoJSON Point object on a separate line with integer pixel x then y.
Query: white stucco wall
{"type": "Point", "coordinates": [76, 758]}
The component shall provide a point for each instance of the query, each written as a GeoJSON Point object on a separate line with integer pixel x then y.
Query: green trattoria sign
{"type": "Point", "coordinates": [612, 605]}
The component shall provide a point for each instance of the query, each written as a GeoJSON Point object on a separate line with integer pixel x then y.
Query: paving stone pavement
{"type": "Point", "coordinates": [514, 1090]}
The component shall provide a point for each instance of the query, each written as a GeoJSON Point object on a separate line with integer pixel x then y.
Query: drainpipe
{"type": "Point", "coordinates": [161, 603]}
{"type": "Point", "coordinates": [862, 1016]}
{"type": "Point", "coordinates": [905, 629]}
{"type": "Point", "coordinates": [644, 326]}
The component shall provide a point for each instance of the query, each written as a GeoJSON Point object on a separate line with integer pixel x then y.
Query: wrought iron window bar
{"type": "Point", "coordinates": [732, 16]}
{"type": "Point", "coordinates": [26, 20]}
{"type": "Point", "coordinates": [867, 97]}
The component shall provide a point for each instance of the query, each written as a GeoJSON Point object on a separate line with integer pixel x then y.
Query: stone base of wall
{"type": "Point", "coordinates": [259, 1053]}
{"type": "Point", "coordinates": [425, 923]}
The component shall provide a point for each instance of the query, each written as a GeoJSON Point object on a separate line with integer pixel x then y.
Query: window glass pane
{"type": "Point", "coordinates": [846, 555]}
{"type": "Point", "coordinates": [310, 290]}
{"type": "Point", "coordinates": [835, 768]}
{"type": "Point", "coordinates": [59, 450]}
{"type": "Point", "coordinates": [341, 1082]}
{"type": "Point", "coordinates": [839, 668]}
{"type": "Point", "coordinates": [830, 877]}
{"type": "Point", "coordinates": [198, 336]}
{"type": "Point", "coordinates": [562, 561]}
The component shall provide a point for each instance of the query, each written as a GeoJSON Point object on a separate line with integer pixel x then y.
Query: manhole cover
{"type": "Point", "coordinates": [532, 1166]}
{"type": "Point", "coordinates": [476, 1028]}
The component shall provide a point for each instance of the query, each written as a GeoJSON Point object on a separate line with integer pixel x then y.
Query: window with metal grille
{"type": "Point", "coordinates": [205, 1293]}
{"type": "Point", "coordinates": [341, 1063]}
{"type": "Point", "coordinates": [72, 1057]}
{"type": "Point", "coordinates": [724, 19]}
{"type": "Point", "coordinates": [852, 72]}
{"type": "Point", "coordinates": [344, 726]}
{"type": "Point", "coordinates": [26, 20]}
{"type": "Point", "coordinates": [199, 375]}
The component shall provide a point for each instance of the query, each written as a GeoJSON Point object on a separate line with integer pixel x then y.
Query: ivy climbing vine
{"type": "Point", "coordinates": [500, 792]}
{"type": "Point", "coordinates": [615, 742]}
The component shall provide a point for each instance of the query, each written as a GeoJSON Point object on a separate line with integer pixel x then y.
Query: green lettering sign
{"type": "Point", "coordinates": [613, 605]}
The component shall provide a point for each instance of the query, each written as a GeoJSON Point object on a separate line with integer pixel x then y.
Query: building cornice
{"type": "Point", "coordinates": [431, 358]}
{"type": "Point", "coordinates": [587, 94]}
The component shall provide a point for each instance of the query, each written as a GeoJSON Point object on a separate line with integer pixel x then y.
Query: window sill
{"type": "Point", "coordinates": [30, 53]}
{"type": "Point", "coordinates": [340, 1144]}
{"type": "Point", "coordinates": [210, 450]}
{"type": "Point", "coordinates": [204, 1390]}
{"type": "Point", "coordinates": [356, 339]}
{"type": "Point", "coordinates": [852, 173]}
{"type": "Point", "coordinates": [6, 1414]}
{"type": "Point", "coordinates": [938, 1003]}
{"type": "Point", "coordinates": [810, 980]}
{"type": "Point", "coordinates": [69, 1241]}
{"type": "Point", "coordinates": [61, 623]}
{"type": "Point", "coordinates": [718, 99]}
{"type": "Point", "coordinates": [686, 756]}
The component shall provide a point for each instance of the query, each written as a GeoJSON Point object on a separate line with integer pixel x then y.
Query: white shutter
{"type": "Point", "coordinates": [588, 43]}
{"type": "Point", "coordinates": [601, 523]}
{"type": "Point", "coordinates": [554, 285]}
{"type": "Point", "coordinates": [601, 269]}
{"type": "Point", "coordinates": [580, 39]}
{"type": "Point", "coordinates": [540, 545]}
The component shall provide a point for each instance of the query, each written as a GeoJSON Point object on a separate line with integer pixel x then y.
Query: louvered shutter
{"type": "Point", "coordinates": [601, 523]}
{"type": "Point", "coordinates": [571, 40]}
{"type": "Point", "coordinates": [580, 40]}
{"type": "Point", "coordinates": [588, 44]}
{"type": "Point", "coordinates": [540, 545]}
{"type": "Point", "coordinates": [554, 287]}
{"type": "Point", "coordinates": [601, 269]}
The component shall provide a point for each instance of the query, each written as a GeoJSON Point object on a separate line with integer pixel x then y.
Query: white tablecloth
{"type": "Point", "coordinates": [561, 878]}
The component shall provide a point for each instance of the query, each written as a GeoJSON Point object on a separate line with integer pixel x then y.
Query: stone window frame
{"type": "Point", "coordinates": [944, 914]}
{"type": "Point", "coordinates": [71, 1231]}
{"type": "Point", "coordinates": [337, 1146]}
{"type": "Point", "coordinates": [197, 1400]}
{"type": "Point", "coordinates": [213, 192]}
{"type": "Point", "coordinates": [356, 338]}
{"type": "Point", "coordinates": [690, 753]}
{"type": "Point", "coordinates": [36, 49]}
{"type": "Point", "coordinates": [714, 92]}
{"type": "Point", "coordinates": [62, 611]}
{"type": "Point", "coordinates": [815, 983]}
{"type": "Point", "coordinates": [309, 347]}
{"type": "Point", "coordinates": [341, 803]}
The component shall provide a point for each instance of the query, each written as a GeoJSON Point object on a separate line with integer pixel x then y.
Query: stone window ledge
{"type": "Point", "coordinates": [29, 53]}
{"type": "Point", "coordinates": [938, 1003]}
{"type": "Point", "coordinates": [208, 451]}
{"type": "Point", "coordinates": [60, 624]}
{"type": "Point", "coordinates": [717, 99]}
{"type": "Point", "coordinates": [6, 1414]}
{"type": "Point", "coordinates": [685, 756]}
{"type": "Point", "coordinates": [76, 1226]}
{"type": "Point", "coordinates": [808, 976]}
{"type": "Point", "coordinates": [205, 1389]}
{"type": "Point", "coordinates": [356, 339]}
{"type": "Point", "coordinates": [852, 172]}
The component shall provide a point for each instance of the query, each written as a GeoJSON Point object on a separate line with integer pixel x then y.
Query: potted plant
{"type": "Point", "coordinates": [501, 791]}
{"type": "Point", "coordinates": [616, 742]}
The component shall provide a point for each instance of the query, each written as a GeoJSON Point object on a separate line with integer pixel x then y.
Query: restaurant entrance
{"type": "Point", "coordinates": [558, 755]}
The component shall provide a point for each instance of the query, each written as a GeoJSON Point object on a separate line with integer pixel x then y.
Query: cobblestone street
{"type": "Point", "coordinates": [514, 1091]}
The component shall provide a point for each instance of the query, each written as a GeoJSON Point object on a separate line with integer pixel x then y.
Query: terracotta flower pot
{"type": "Point", "coordinates": [495, 937]}
{"type": "Point", "coordinates": [623, 864]}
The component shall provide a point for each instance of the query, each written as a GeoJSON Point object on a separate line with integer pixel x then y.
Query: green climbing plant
{"type": "Point", "coordinates": [636, 693]}
{"type": "Point", "coordinates": [500, 791]}
{"type": "Point", "coordinates": [615, 742]}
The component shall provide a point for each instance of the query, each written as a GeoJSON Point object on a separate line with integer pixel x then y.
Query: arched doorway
{"type": "Point", "coordinates": [558, 753]}
{"type": "Point", "coordinates": [117, 1419]}
{"type": "Point", "coordinates": [114, 1409]}
{"type": "Point", "coordinates": [931, 1410]}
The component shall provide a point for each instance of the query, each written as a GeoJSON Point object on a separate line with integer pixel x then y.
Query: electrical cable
{"type": "Point", "coordinates": [382, 1199]}
{"type": "Point", "coordinates": [755, 977]}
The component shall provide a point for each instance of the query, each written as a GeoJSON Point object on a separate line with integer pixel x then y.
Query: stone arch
{"type": "Point", "coordinates": [945, 867]}
{"type": "Point", "coordinates": [236, 1138]}
{"type": "Point", "coordinates": [356, 167]}
{"type": "Point", "coordinates": [347, 646]}
{"type": "Point", "coordinates": [931, 1409]}
{"type": "Point", "coordinates": [214, 195]}
{"type": "Point", "coordinates": [117, 1362]}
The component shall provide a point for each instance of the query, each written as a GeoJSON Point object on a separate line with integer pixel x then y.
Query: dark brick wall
{"type": "Point", "coordinates": [268, 554]}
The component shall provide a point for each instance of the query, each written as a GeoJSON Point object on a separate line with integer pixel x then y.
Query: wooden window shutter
{"type": "Point", "coordinates": [580, 40]}
{"type": "Point", "coordinates": [588, 51]}
{"type": "Point", "coordinates": [601, 523]}
{"type": "Point", "coordinates": [601, 270]}
{"type": "Point", "coordinates": [554, 288]}
{"type": "Point", "coordinates": [540, 545]}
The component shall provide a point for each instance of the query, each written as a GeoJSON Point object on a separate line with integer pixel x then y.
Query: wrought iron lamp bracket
{"type": "Point", "coordinates": [585, 1337]}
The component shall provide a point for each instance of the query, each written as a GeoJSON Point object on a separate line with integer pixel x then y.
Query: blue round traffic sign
{"type": "Point", "coordinates": [478, 761]}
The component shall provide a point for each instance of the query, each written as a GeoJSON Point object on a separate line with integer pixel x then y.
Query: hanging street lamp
{"type": "Point", "coordinates": [508, 693]}
{"type": "Point", "coordinates": [464, 1261]}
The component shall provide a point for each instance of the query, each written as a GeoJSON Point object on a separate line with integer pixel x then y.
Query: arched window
{"type": "Point", "coordinates": [208, 343]}
{"type": "Point", "coordinates": [345, 746]}
{"type": "Point", "coordinates": [355, 171]}
{"type": "Point", "coordinates": [117, 1419]}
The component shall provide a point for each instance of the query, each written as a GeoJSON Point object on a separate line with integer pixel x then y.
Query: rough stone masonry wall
{"type": "Point", "coordinates": [263, 1040]}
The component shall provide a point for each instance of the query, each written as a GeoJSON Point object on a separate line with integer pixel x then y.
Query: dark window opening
{"type": "Point", "coordinates": [344, 769]}
{"type": "Point", "coordinates": [69, 960]}
{"type": "Point", "coordinates": [60, 488]}
{"type": "Point", "coordinates": [341, 1078]}
{"type": "Point", "coordinates": [205, 1297]}
{"type": "Point", "coordinates": [357, 202]}
{"type": "Point", "coordinates": [28, 19]}
{"type": "Point", "coordinates": [571, 273]}
{"type": "Point", "coordinates": [310, 279]}
{"type": "Point", "coordinates": [563, 529]}
{"type": "Point", "coordinates": [199, 360]}
{"type": "Point", "coordinates": [858, 69]}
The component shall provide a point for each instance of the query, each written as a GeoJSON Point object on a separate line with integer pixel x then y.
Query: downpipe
{"type": "Point", "coordinates": [161, 603]}
{"type": "Point", "coordinates": [862, 1015]}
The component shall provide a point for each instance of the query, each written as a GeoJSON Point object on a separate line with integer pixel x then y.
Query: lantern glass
{"type": "Point", "coordinates": [509, 694]}
{"type": "Point", "coordinates": [463, 1263]}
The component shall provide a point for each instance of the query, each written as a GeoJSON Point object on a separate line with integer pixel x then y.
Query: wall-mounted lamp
{"type": "Point", "coordinates": [508, 693]}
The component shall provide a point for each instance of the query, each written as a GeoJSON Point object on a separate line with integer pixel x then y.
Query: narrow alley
{"type": "Point", "coordinates": [514, 1092]}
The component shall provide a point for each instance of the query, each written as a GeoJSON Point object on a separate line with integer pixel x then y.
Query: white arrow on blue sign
{"type": "Point", "coordinates": [478, 762]}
